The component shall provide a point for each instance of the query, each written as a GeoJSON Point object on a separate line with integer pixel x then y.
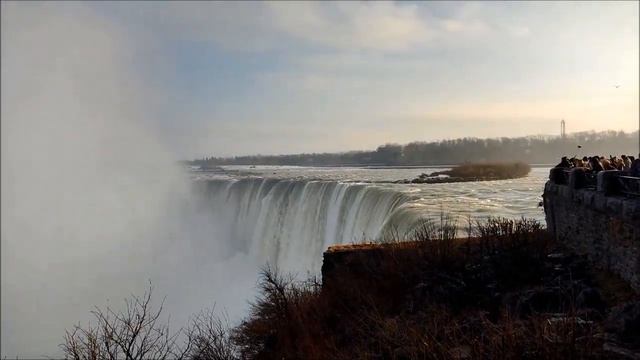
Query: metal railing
{"type": "Point", "coordinates": [560, 176]}
{"type": "Point", "coordinates": [628, 185]}
{"type": "Point", "coordinates": [591, 181]}
{"type": "Point", "coordinates": [618, 184]}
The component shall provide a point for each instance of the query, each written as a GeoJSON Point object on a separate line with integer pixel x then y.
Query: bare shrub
{"type": "Point", "coordinates": [497, 233]}
{"type": "Point", "coordinates": [448, 229]}
{"type": "Point", "coordinates": [389, 236]}
{"type": "Point", "coordinates": [208, 337]}
{"type": "Point", "coordinates": [135, 333]}
{"type": "Point", "coordinates": [426, 230]}
{"type": "Point", "coordinates": [279, 323]}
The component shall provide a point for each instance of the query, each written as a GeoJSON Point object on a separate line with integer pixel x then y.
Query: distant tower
{"type": "Point", "coordinates": [563, 134]}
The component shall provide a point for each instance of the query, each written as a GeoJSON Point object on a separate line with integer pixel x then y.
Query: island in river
{"type": "Point", "coordinates": [473, 172]}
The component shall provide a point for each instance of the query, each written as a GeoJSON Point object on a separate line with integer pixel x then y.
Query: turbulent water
{"type": "Point", "coordinates": [287, 216]}
{"type": "Point", "coordinates": [290, 222]}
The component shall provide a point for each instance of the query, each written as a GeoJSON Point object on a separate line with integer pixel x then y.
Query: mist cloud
{"type": "Point", "coordinates": [93, 205]}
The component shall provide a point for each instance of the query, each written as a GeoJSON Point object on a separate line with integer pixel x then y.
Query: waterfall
{"type": "Point", "coordinates": [289, 223]}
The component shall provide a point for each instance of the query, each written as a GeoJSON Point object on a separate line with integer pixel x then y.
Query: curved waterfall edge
{"type": "Point", "coordinates": [290, 223]}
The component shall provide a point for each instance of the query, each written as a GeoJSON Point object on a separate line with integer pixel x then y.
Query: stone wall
{"type": "Point", "coordinates": [357, 261]}
{"type": "Point", "coordinates": [595, 221]}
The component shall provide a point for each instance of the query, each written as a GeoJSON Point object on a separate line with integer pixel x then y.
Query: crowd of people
{"type": "Point", "coordinates": [625, 163]}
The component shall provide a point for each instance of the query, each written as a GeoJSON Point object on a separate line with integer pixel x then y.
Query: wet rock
{"type": "Point", "coordinates": [405, 352]}
{"type": "Point", "coordinates": [615, 351]}
{"type": "Point", "coordinates": [559, 326]}
{"type": "Point", "coordinates": [590, 298]}
{"type": "Point", "coordinates": [460, 352]}
{"type": "Point", "coordinates": [439, 288]}
{"type": "Point", "coordinates": [577, 268]}
{"type": "Point", "coordinates": [547, 300]}
{"type": "Point", "coordinates": [624, 321]}
{"type": "Point", "coordinates": [556, 257]}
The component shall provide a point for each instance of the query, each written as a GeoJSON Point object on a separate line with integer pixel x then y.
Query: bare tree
{"type": "Point", "coordinates": [135, 333]}
{"type": "Point", "coordinates": [209, 338]}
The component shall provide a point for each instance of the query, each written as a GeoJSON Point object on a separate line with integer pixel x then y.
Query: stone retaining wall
{"type": "Point", "coordinates": [596, 222]}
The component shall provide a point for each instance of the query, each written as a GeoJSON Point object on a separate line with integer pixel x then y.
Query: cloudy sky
{"type": "Point", "coordinates": [282, 77]}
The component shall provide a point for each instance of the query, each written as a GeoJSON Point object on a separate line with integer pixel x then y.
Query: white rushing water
{"type": "Point", "coordinates": [290, 222]}
{"type": "Point", "coordinates": [287, 216]}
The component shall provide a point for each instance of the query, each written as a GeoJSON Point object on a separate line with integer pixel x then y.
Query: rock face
{"type": "Point", "coordinates": [596, 223]}
{"type": "Point", "coordinates": [590, 298]}
{"type": "Point", "coordinates": [358, 259]}
{"type": "Point", "coordinates": [624, 321]}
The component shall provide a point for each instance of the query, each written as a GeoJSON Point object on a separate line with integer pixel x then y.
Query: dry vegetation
{"type": "Point", "coordinates": [474, 172]}
{"type": "Point", "coordinates": [139, 332]}
{"type": "Point", "coordinates": [507, 292]}
{"type": "Point", "coordinates": [489, 170]}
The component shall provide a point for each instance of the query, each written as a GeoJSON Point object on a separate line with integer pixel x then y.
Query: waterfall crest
{"type": "Point", "coordinates": [289, 223]}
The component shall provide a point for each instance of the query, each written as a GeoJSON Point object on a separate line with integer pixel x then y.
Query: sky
{"type": "Point", "coordinates": [238, 78]}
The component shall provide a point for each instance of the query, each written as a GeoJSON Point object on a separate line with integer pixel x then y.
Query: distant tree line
{"type": "Point", "coordinates": [529, 149]}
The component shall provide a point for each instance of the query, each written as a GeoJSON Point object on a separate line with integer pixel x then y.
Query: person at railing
{"type": "Point", "coordinates": [595, 164]}
{"type": "Point", "coordinates": [564, 163]}
{"type": "Point", "coordinates": [585, 162]}
{"type": "Point", "coordinates": [634, 170]}
{"type": "Point", "coordinates": [616, 162]}
{"type": "Point", "coordinates": [626, 162]}
{"type": "Point", "coordinates": [606, 163]}
{"type": "Point", "coordinates": [575, 162]}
